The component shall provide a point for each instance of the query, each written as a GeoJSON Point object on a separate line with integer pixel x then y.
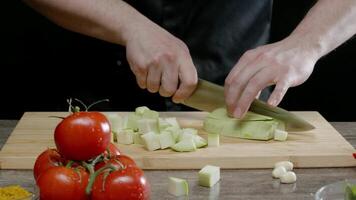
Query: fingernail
{"type": "Point", "coordinates": [177, 101]}
{"type": "Point", "coordinates": [238, 113]}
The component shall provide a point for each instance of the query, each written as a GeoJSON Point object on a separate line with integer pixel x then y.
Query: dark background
{"type": "Point", "coordinates": [41, 65]}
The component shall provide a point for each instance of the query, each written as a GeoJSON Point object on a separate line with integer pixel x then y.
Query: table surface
{"type": "Point", "coordinates": [234, 184]}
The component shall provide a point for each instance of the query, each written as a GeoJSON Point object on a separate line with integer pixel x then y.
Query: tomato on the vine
{"type": "Point", "coordinates": [124, 184]}
{"type": "Point", "coordinates": [59, 183]}
{"type": "Point", "coordinates": [113, 151]}
{"type": "Point", "coordinates": [46, 160]}
{"type": "Point", "coordinates": [82, 135]}
{"type": "Point", "coordinates": [117, 161]}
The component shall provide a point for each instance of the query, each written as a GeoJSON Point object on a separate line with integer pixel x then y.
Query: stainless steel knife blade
{"type": "Point", "coordinates": [209, 96]}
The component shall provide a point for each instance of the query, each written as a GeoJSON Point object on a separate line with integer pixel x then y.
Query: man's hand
{"type": "Point", "coordinates": [290, 62]}
{"type": "Point", "coordinates": [284, 64]}
{"type": "Point", "coordinates": [161, 62]}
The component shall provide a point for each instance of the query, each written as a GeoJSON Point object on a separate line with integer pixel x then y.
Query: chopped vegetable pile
{"type": "Point", "coordinates": [146, 128]}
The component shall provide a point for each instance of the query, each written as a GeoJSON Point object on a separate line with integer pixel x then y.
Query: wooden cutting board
{"type": "Point", "coordinates": [321, 147]}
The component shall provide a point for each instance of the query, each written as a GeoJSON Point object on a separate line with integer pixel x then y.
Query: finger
{"type": "Point", "coordinates": [141, 80]}
{"type": "Point", "coordinates": [154, 78]}
{"type": "Point", "coordinates": [247, 57]}
{"type": "Point", "coordinates": [140, 73]}
{"type": "Point", "coordinates": [234, 91]}
{"type": "Point", "coordinates": [278, 93]}
{"type": "Point", "coordinates": [259, 81]}
{"type": "Point", "coordinates": [188, 80]}
{"type": "Point", "coordinates": [169, 81]}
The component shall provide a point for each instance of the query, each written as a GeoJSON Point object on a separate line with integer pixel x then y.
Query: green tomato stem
{"type": "Point", "coordinates": [97, 102]}
{"type": "Point", "coordinates": [95, 174]}
{"type": "Point", "coordinates": [69, 164]}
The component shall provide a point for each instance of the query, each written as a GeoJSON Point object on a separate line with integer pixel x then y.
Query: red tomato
{"type": "Point", "coordinates": [126, 184]}
{"type": "Point", "coordinates": [82, 135]}
{"type": "Point", "coordinates": [59, 183]}
{"type": "Point", "coordinates": [115, 161]}
{"type": "Point", "coordinates": [114, 151]}
{"type": "Point", "coordinates": [46, 160]}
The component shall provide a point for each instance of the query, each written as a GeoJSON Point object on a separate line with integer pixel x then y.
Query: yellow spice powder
{"type": "Point", "coordinates": [13, 193]}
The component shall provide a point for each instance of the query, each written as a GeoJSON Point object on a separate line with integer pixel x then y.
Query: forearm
{"type": "Point", "coordinates": [109, 20]}
{"type": "Point", "coordinates": [326, 26]}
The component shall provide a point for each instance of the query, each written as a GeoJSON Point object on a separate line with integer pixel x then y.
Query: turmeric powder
{"type": "Point", "coordinates": [14, 192]}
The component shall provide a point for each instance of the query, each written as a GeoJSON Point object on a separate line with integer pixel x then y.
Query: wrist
{"type": "Point", "coordinates": [311, 46]}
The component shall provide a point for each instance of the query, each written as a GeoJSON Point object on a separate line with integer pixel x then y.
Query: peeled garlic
{"type": "Point", "coordinates": [289, 177]}
{"type": "Point", "coordinates": [278, 172]}
{"type": "Point", "coordinates": [286, 164]}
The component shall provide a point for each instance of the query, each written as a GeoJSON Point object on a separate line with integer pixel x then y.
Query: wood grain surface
{"type": "Point", "coordinates": [322, 147]}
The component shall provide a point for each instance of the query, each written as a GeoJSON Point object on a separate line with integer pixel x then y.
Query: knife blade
{"type": "Point", "coordinates": [209, 96]}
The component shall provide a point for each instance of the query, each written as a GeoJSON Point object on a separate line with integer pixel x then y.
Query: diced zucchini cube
{"type": "Point", "coordinates": [151, 141]}
{"type": "Point", "coordinates": [150, 114]}
{"type": "Point", "coordinates": [162, 124]}
{"type": "Point", "coordinates": [172, 121]}
{"type": "Point", "coordinates": [177, 186]}
{"type": "Point", "coordinates": [125, 136]}
{"type": "Point", "coordinates": [137, 138]}
{"type": "Point", "coordinates": [185, 145]}
{"type": "Point", "coordinates": [280, 135]}
{"type": "Point", "coordinates": [166, 139]}
{"type": "Point", "coordinates": [213, 140]}
{"type": "Point", "coordinates": [199, 141]}
{"type": "Point", "coordinates": [192, 131]}
{"type": "Point", "coordinates": [140, 110]}
{"type": "Point", "coordinates": [132, 121]}
{"type": "Point", "coordinates": [176, 131]}
{"type": "Point", "coordinates": [116, 121]}
{"type": "Point", "coordinates": [185, 136]}
{"type": "Point", "coordinates": [147, 125]}
{"type": "Point", "coordinates": [209, 175]}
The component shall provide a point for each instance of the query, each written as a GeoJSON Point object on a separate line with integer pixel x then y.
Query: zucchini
{"type": "Point", "coordinates": [177, 186]}
{"type": "Point", "coordinates": [209, 175]}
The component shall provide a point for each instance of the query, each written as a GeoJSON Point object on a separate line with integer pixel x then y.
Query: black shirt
{"type": "Point", "coordinates": [43, 55]}
{"type": "Point", "coordinates": [217, 32]}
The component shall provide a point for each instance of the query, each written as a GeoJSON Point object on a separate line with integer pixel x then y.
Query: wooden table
{"type": "Point", "coordinates": [235, 184]}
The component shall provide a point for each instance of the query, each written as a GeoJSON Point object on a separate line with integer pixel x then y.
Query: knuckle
{"type": "Point", "coordinates": [266, 56]}
{"type": "Point", "coordinates": [236, 82]}
{"type": "Point", "coordinates": [141, 69]}
{"type": "Point", "coordinates": [254, 83]}
{"type": "Point", "coordinates": [161, 56]}
{"type": "Point", "coordinates": [248, 54]}
{"type": "Point", "coordinates": [251, 90]}
{"type": "Point", "coordinates": [191, 83]}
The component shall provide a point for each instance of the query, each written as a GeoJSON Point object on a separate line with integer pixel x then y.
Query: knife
{"type": "Point", "coordinates": [209, 96]}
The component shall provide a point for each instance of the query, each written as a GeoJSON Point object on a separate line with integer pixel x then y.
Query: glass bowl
{"type": "Point", "coordinates": [333, 191]}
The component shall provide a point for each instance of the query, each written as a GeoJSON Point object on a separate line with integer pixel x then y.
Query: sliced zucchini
{"type": "Point", "coordinates": [166, 139]}
{"type": "Point", "coordinates": [177, 186]}
{"type": "Point", "coordinates": [185, 146]}
{"type": "Point", "coordinates": [209, 175]}
{"type": "Point", "coordinates": [125, 136]}
{"type": "Point", "coordinates": [151, 141]}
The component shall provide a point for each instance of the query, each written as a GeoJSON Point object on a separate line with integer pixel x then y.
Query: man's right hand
{"type": "Point", "coordinates": [160, 61]}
